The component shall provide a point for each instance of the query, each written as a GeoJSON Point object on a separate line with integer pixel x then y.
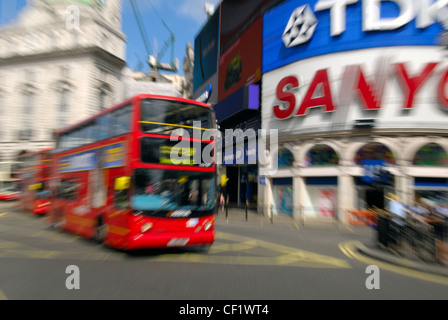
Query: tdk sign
{"type": "Point", "coordinates": [300, 29]}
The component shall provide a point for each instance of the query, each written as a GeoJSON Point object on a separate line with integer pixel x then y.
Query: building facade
{"type": "Point", "coordinates": [357, 92]}
{"type": "Point", "coordinates": [228, 70]}
{"type": "Point", "coordinates": [60, 62]}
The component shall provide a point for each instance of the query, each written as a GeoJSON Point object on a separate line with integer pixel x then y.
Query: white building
{"type": "Point", "coordinates": [60, 62]}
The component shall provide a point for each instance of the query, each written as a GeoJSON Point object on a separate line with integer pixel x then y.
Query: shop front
{"type": "Point", "coordinates": [360, 100]}
{"type": "Point", "coordinates": [321, 198]}
{"type": "Point", "coordinates": [283, 196]}
{"type": "Point", "coordinates": [241, 167]}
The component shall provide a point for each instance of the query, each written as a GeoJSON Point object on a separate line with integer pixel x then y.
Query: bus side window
{"type": "Point", "coordinates": [95, 131]}
{"type": "Point", "coordinates": [62, 143]}
{"type": "Point", "coordinates": [121, 121]}
{"type": "Point", "coordinates": [104, 129]}
{"type": "Point", "coordinates": [67, 189]}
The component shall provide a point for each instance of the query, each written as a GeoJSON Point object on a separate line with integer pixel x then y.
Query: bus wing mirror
{"type": "Point", "coordinates": [122, 183]}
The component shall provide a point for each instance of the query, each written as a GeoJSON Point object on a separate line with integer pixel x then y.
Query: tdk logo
{"type": "Point", "coordinates": [303, 22]}
{"type": "Point", "coordinates": [300, 27]}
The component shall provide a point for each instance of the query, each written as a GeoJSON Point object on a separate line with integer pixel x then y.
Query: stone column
{"type": "Point", "coordinates": [346, 197]}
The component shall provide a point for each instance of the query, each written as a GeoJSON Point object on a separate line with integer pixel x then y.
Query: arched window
{"type": "Point", "coordinates": [26, 131]}
{"type": "Point", "coordinates": [63, 98]}
{"type": "Point", "coordinates": [431, 154]}
{"type": "Point", "coordinates": [285, 158]}
{"type": "Point", "coordinates": [374, 151]}
{"type": "Point", "coordinates": [104, 92]}
{"type": "Point", "coordinates": [321, 155]}
{"type": "Point", "coordinates": [102, 99]}
{"type": "Point", "coordinates": [63, 107]}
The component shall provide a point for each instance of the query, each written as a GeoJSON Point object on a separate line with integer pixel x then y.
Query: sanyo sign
{"type": "Point", "coordinates": [299, 29]}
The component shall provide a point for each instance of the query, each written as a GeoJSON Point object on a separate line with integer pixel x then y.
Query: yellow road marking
{"type": "Point", "coordinates": [233, 246]}
{"type": "Point", "coordinates": [288, 256]}
{"type": "Point", "coordinates": [32, 253]}
{"type": "Point", "coordinates": [3, 214]}
{"type": "Point", "coordinates": [349, 249]}
{"type": "Point", "coordinates": [286, 260]}
{"type": "Point", "coordinates": [2, 296]}
{"type": "Point", "coordinates": [239, 250]}
{"type": "Point", "coordinates": [349, 228]}
{"type": "Point", "coordinates": [8, 244]}
{"type": "Point", "coordinates": [51, 235]}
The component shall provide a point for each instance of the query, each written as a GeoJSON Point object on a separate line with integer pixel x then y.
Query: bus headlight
{"type": "Point", "coordinates": [208, 225]}
{"type": "Point", "coordinates": [43, 204]}
{"type": "Point", "coordinates": [146, 227]}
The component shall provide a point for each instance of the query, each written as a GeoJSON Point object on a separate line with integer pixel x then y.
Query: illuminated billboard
{"type": "Point", "coordinates": [301, 29]}
{"type": "Point", "coordinates": [240, 64]}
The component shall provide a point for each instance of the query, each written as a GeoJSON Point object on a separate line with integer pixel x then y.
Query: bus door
{"type": "Point", "coordinates": [118, 215]}
{"type": "Point", "coordinates": [64, 211]}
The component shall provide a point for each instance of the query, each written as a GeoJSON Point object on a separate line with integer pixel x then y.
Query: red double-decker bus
{"type": "Point", "coordinates": [34, 174]}
{"type": "Point", "coordinates": [115, 179]}
{"type": "Point", "coordinates": [9, 181]}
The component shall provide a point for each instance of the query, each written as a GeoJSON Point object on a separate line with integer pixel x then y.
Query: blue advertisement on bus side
{"type": "Point", "coordinates": [301, 29]}
{"type": "Point", "coordinates": [107, 157]}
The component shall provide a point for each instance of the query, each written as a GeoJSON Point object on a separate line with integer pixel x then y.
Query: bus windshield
{"type": "Point", "coordinates": [172, 117]}
{"type": "Point", "coordinates": [42, 190]}
{"type": "Point", "coordinates": [159, 191]}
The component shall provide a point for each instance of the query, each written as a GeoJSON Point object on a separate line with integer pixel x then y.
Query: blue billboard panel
{"type": "Point", "coordinates": [206, 51]}
{"type": "Point", "coordinates": [301, 29]}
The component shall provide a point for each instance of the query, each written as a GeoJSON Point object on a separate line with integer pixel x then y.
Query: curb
{"type": "Point", "coordinates": [236, 217]}
{"type": "Point", "coordinates": [402, 262]}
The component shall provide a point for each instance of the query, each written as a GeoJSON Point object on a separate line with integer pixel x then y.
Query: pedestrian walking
{"type": "Point", "coordinates": [224, 201]}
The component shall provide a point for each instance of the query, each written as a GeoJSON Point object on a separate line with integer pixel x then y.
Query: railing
{"type": "Point", "coordinates": [418, 237]}
{"type": "Point", "coordinates": [362, 218]}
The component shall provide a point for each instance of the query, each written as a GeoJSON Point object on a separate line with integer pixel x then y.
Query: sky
{"type": "Point", "coordinates": [185, 18]}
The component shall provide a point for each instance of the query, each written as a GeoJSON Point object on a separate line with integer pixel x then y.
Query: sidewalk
{"type": "Point", "coordinates": [237, 216]}
{"type": "Point", "coordinates": [389, 256]}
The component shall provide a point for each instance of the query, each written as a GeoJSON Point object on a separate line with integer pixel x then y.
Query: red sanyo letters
{"type": "Point", "coordinates": [368, 92]}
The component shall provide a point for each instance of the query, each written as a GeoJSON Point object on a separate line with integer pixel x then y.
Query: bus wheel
{"type": "Point", "coordinates": [58, 224]}
{"type": "Point", "coordinates": [204, 248]}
